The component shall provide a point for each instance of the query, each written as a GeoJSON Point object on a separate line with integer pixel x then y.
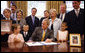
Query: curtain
{"type": "Point", "coordinates": [20, 5]}
{"type": "Point", "coordinates": [54, 5]}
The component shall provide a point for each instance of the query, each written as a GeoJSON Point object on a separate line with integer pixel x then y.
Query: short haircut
{"type": "Point", "coordinates": [47, 20]}
{"type": "Point", "coordinates": [14, 5]}
{"type": "Point", "coordinates": [35, 9]}
{"type": "Point", "coordinates": [25, 25]}
{"type": "Point", "coordinates": [7, 10]}
{"type": "Point", "coordinates": [53, 10]}
{"type": "Point", "coordinates": [46, 11]}
{"type": "Point", "coordinates": [63, 4]}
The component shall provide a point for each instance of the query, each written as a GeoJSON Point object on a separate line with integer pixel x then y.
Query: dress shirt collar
{"type": "Point", "coordinates": [32, 16]}
{"type": "Point", "coordinates": [77, 9]}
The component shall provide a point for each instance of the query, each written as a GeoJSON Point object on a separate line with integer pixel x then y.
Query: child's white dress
{"type": "Point", "coordinates": [62, 35]}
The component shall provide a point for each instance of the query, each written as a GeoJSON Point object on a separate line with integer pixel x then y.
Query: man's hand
{"type": "Point", "coordinates": [48, 40]}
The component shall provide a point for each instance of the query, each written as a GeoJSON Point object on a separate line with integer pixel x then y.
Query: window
{"type": "Point", "coordinates": [3, 6]}
{"type": "Point", "coordinates": [70, 7]}
{"type": "Point", "coordinates": [39, 5]}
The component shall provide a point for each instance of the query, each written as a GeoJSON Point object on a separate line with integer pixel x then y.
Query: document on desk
{"type": "Point", "coordinates": [40, 43]}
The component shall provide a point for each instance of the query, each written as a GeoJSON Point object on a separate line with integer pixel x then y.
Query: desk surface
{"type": "Point", "coordinates": [22, 47]}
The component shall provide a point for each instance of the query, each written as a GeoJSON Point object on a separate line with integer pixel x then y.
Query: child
{"type": "Point", "coordinates": [25, 32]}
{"type": "Point", "coordinates": [62, 34]}
{"type": "Point", "coordinates": [16, 36]}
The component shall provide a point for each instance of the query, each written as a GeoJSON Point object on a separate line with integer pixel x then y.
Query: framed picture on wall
{"type": "Point", "coordinates": [6, 26]}
{"type": "Point", "coordinates": [75, 40]}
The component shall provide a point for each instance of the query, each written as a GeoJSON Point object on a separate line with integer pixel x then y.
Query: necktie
{"type": "Point", "coordinates": [43, 36]}
{"type": "Point", "coordinates": [33, 19]}
{"type": "Point", "coordinates": [52, 27]}
{"type": "Point", "coordinates": [13, 15]}
{"type": "Point", "coordinates": [61, 16]}
{"type": "Point", "coordinates": [25, 34]}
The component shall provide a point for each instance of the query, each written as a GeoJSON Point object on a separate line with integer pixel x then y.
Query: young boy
{"type": "Point", "coordinates": [25, 32]}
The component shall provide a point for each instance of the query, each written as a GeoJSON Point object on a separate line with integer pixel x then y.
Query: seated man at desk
{"type": "Point", "coordinates": [43, 33]}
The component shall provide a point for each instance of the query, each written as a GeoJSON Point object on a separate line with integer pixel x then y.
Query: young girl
{"type": "Point", "coordinates": [16, 36]}
{"type": "Point", "coordinates": [62, 34]}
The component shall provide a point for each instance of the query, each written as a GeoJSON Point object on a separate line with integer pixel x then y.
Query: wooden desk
{"type": "Point", "coordinates": [22, 47]}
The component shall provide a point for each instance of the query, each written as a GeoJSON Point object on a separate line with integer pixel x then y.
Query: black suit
{"type": "Point", "coordinates": [58, 16]}
{"type": "Point", "coordinates": [13, 21]}
{"type": "Point", "coordinates": [30, 23]}
{"type": "Point", "coordinates": [75, 24]}
{"type": "Point", "coordinates": [26, 38]}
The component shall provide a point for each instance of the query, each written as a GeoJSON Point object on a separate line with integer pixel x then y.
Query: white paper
{"type": "Point", "coordinates": [39, 43]}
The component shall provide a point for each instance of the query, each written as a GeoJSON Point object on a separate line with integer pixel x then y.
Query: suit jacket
{"type": "Point", "coordinates": [37, 34]}
{"type": "Point", "coordinates": [64, 17]}
{"type": "Point", "coordinates": [13, 21]}
{"type": "Point", "coordinates": [27, 36]}
{"type": "Point", "coordinates": [30, 23]}
{"type": "Point", "coordinates": [22, 22]}
{"type": "Point", "coordinates": [75, 24]}
{"type": "Point", "coordinates": [1, 16]}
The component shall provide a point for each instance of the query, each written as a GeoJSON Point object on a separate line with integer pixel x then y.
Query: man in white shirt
{"type": "Point", "coordinates": [13, 9]}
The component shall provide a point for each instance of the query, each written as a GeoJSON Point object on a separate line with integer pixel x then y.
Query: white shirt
{"type": "Point", "coordinates": [62, 17]}
{"type": "Point", "coordinates": [76, 11]}
{"type": "Point", "coordinates": [14, 16]}
{"type": "Point", "coordinates": [8, 19]}
{"type": "Point", "coordinates": [56, 25]}
{"type": "Point", "coordinates": [12, 36]}
{"type": "Point", "coordinates": [25, 34]}
{"type": "Point", "coordinates": [62, 35]}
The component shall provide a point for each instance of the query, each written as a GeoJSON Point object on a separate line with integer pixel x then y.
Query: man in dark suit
{"type": "Point", "coordinates": [43, 33]}
{"type": "Point", "coordinates": [25, 33]}
{"type": "Point", "coordinates": [32, 21]}
{"type": "Point", "coordinates": [63, 13]}
{"type": "Point", "coordinates": [75, 19]}
{"type": "Point", "coordinates": [46, 15]}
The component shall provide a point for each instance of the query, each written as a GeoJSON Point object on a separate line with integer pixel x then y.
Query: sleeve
{"type": "Point", "coordinates": [22, 39]}
{"type": "Point", "coordinates": [60, 22]}
{"type": "Point", "coordinates": [10, 39]}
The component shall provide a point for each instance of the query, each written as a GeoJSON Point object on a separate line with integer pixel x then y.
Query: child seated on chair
{"type": "Point", "coordinates": [62, 34]}
{"type": "Point", "coordinates": [16, 36]}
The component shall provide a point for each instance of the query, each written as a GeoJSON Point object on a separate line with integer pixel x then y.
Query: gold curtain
{"type": "Point", "coordinates": [54, 5]}
{"type": "Point", "coordinates": [20, 5]}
